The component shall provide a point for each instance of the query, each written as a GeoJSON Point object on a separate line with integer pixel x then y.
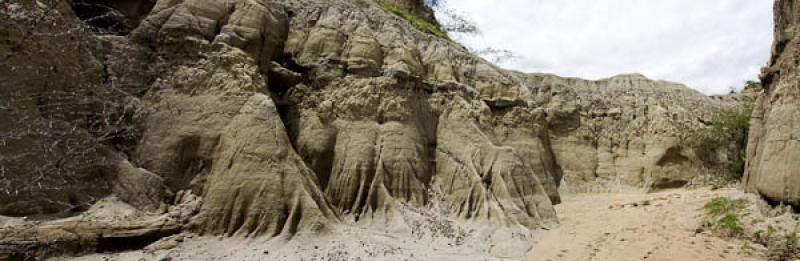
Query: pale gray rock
{"type": "Point", "coordinates": [624, 133]}
{"type": "Point", "coordinates": [773, 150]}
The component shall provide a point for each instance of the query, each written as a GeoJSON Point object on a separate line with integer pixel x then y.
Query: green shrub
{"type": "Point", "coordinates": [417, 22]}
{"type": "Point", "coordinates": [720, 205]}
{"type": "Point", "coordinates": [730, 222]}
{"type": "Point", "coordinates": [728, 127]}
{"type": "Point", "coordinates": [723, 214]}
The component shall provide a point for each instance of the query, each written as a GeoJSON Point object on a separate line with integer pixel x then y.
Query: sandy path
{"type": "Point", "coordinates": [664, 230]}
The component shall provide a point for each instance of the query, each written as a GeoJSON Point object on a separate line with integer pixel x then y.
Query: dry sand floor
{"type": "Point", "coordinates": [610, 227]}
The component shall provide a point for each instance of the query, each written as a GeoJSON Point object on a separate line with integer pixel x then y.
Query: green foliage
{"type": "Point", "coordinates": [771, 231]}
{"type": "Point", "coordinates": [730, 222]}
{"type": "Point", "coordinates": [781, 242]}
{"type": "Point", "coordinates": [728, 127]}
{"type": "Point", "coordinates": [724, 214]}
{"type": "Point", "coordinates": [417, 22]}
{"type": "Point", "coordinates": [720, 205]}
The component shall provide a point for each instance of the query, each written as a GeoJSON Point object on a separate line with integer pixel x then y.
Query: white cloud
{"type": "Point", "coordinates": [709, 45]}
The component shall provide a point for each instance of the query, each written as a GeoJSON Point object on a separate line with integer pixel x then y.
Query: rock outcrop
{"type": "Point", "coordinates": [295, 116]}
{"type": "Point", "coordinates": [627, 132]}
{"type": "Point", "coordinates": [109, 225]}
{"type": "Point", "coordinates": [773, 151]}
{"type": "Point", "coordinates": [52, 81]}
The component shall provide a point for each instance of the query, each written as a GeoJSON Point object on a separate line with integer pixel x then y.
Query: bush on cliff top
{"type": "Point", "coordinates": [417, 22]}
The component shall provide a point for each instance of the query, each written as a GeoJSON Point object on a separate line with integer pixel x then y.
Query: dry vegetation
{"type": "Point", "coordinates": [774, 228]}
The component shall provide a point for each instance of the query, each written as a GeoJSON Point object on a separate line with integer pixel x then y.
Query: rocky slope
{"type": "Point", "coordinates": [271, 118]}
{"type": "Point", "coordinates": [629, 133]}
{"type": "Point", "coordinates": [774, 149]}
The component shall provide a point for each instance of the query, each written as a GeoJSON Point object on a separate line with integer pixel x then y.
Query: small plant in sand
{"type": "Point", "coordinates": [724, 215]}
{"type": "Point", "coordinates": [781, 243]}
{"type": "Point", "coordinates": [773, 229]}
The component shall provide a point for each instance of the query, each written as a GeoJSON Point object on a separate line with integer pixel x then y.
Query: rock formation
{"type": "Point", "coordinates": [774, 149]}
{"type": "Point", "coordinates": [275, 117]}
{"type": "Point", "coordinates": [625, 133]}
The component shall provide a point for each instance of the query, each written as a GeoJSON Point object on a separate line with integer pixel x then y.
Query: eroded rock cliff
{"type": "Point", "coordinates": [774, 148]}
{"type": "Point", "coordinates": [628, 133]}
{"type": "Point", "coordinates": [274, 118]}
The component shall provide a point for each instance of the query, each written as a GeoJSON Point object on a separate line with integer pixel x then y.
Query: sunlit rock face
{"type": "Point", "coordinates": [773, 151]}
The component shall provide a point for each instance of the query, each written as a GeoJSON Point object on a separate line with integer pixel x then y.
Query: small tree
{"type": "Point", "coordinates": [496, 55]}
{"type": "Point", "coordinates": [451, 20]}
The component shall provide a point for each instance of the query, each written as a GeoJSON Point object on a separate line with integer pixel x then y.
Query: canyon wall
{"type": "Point", "coordinates": [276, 117]}
{"type": "Point", "coordinates": [773, 169]}
{"type": "Point", "coordinates": [629, 133]}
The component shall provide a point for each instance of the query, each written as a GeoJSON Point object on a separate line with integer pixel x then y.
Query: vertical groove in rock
{"type": "Point", "coordinates": [255, 183]}
{"type": "Point", "coordinates": [374, 132]}
{"type": "Point", "coordinates": [265, 174]}
{"type": "Point", "coordinates": [482, 181]}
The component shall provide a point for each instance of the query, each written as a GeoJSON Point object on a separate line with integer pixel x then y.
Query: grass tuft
{"type": "Point", "coordinates": [719, 206]}
{"type": "Point", "coordinates": [724, 214]}
{"type": "Point", "coordinates": [730, 222]}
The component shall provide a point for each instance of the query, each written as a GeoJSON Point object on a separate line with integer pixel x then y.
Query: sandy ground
{"type": "Point", "coordinates": [658, 226]}
{"type": "Point", "coordinates": [412, 234]}
{"type": "Point", "coordinates": [609, 227]}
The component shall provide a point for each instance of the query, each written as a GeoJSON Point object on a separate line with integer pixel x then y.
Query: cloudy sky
{"type": "Point", "coordinates": [709, 45]}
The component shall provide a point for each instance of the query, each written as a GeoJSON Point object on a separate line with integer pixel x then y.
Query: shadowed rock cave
{"type": "Point", "coordinates": [673, 156]}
